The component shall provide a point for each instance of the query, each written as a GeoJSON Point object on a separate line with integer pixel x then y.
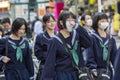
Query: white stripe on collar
{"type": "Point", "coordinates": [45, 37]}
{"type": "Point", "coordinates": [58, 38]}
{"type": "Point", "coordinates": [76, 26]}
{"type": "Point", "coordinates": [14, 42]}
{"type": "Point", "coordinates": [97, 37]}
{"type": "Point", "coordinates": [73, 37]}
{"type": "Point", "coordinates": [106, 42]}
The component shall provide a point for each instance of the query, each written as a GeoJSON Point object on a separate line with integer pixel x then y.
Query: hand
{"type": "Point", "coordinates": [5, 59]}
{"type": "Point", "coordinates": [95, 73]}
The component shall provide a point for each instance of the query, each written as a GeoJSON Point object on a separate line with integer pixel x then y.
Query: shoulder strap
{"type": "Point", "coordinates": [6, 47]}
{"type": "Point", "coordinates": [68, 49]}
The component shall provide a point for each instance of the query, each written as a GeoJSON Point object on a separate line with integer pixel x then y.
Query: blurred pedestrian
{"type": "Point", "coordinates": [41, 43]}
{"type": "Point", "coordinates": [7, 26]}
{"type": "Point", "coordinates": [58, 65]}
{"type": "Point", "coordinates": [1, 31]}
{"type": "Point", "coordinates": [38, 28]}
{"type": "Point", "coordinates": [19, 64]}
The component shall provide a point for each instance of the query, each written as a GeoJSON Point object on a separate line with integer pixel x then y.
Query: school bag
{"type": "Point", "coordinates": [83, 72]}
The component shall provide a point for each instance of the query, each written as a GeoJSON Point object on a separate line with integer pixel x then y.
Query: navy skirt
{"type": "Point", "coordinates": [17, 74]}
{"type": "Point", "coordinates": [66, 76]}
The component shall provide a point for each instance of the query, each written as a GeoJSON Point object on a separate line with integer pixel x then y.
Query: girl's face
{"type": "Point", "coordinates": [88, 20]}
{"type": "Point", "coordinates": [70, 23]}
{"type": "Point", "coordinates": [51, 24]}
{"type": "Point", "coordinates": [103, 24]}
{"type": "Point", "coordinates": [21, 31]}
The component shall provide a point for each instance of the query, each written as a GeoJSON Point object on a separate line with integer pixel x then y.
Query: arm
{"type": "Point", "coordinates": [91, 58]}
{"type": "Point", "coordinates": [113, 51]}
{"type": "Point", "coordinates": [49, 68]}
{"type": "Point", "coordinates": [29, 63]}
{"type": "Point", "coordinates": [117, 66]}
{"type": "Point", "coordinates": [4, 58]}
{"type": "Point", "coordinates": [38, 47]}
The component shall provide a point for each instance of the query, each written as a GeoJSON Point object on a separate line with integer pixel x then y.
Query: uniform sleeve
{"type": "Point", "coordinates": [84, 37]}
{"type": "Point", "coordinates": [117, 66]}
{"type": "Point", "coordinates": [91, 58]}
{"type": "Point", "coordinates": [113, 51]}
{"type": "Point", "coordinates": [49, 68]}
{"type": "Point", "coordinates": [2, 47]}
{"type": "Point", "coordinates": [38, 47]}
{"type": "Point", "coordinates": [29, 63]}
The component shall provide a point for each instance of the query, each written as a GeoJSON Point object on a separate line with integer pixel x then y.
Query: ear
{"type": "Point", "coordinates": [44, 24]}
{"type": "Point", "coordinates": [83, 22]}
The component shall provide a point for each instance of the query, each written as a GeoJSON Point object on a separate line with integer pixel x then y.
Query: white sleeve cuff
{"type": "Point", "coordinates": [93, 70]}
{"type": "Point", "coordinates": [32, 78]}
{"type": "Point", "coordinates": [1, 58]}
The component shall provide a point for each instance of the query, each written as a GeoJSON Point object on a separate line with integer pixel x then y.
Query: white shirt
{"type": "Point", "coordinates": [38, 28]}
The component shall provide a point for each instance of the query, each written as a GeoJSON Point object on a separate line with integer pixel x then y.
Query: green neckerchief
{"type": "Point", "coordinates": [19, 55]}
{"type": "Point", "coordinates": [74, 53]}
{"type": "Point", "coordinates": [105, 51]}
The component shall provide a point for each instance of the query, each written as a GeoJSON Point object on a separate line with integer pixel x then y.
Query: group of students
{"type": "Point", "coordinates": [90, 46]}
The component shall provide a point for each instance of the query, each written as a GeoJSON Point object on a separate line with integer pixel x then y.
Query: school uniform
{"type": "Point", "coordinates": [86, 51]}
{"type": "Point", "coordinates": [59, 65]}
{"type": "Point", "coordinates": [117, 66]}
{"type": "Point", "coordinates": [41, 46]}
{"type": "Point", "coordinates": [98, 53]}
{"type": "Point", "coordinates": [40, 49]}
{"type": "Point", "coordinates": [20, 66]}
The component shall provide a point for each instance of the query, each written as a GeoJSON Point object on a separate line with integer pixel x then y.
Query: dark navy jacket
{"type": "Point", "coordinates": [41, 46]}
{"type": "Point", "coordinates": [15, 68]}
{"type": "Point", "coordinates": [95, 59]}
{"type": "Point", "coordinates": [58, 59]}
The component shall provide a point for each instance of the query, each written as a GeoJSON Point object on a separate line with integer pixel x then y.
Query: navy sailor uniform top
{"type": "Point", "coordinates": [96, 57]}
{"type": "Point", "coordinates": [41, 46]}
{"type": "Point", "coordinates": [58, 60]}
{"type": "Point", "coordinates": [18, 61]}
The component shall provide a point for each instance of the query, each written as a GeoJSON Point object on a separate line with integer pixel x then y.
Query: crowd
{"type": "Point", "coordinates": [76, 52]}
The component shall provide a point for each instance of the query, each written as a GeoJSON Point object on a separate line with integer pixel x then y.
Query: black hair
{"type": "Point", "coordinates": [17, 23]}
{"type": "Point", "coordinates": [84, 15]}
{"type": "Point", "coordinates": [46, 17]}
{"type": "Point", "coordinates": [5, 20]}
{"type": "Point", "coordinates": [2, 30]}
{"type": "Point", "coordinates": [97, 17]}
{"type": "Point", "coordinates": [63, 16]}
{"type": "Point", "coordinates": [0, 21]}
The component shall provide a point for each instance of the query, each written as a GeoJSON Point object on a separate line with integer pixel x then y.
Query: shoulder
{"type": "Point", "coordinates": [2, 40]}
{"type": "Point", "coordinates": [54, 40]}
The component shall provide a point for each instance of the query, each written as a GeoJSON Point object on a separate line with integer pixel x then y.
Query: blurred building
{"type": "Point", "coordinates": [27, 9]}
{"type": "Point", "coordinates": [4, 9]}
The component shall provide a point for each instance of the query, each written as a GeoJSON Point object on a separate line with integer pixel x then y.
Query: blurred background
{"type": "Point", "coordinates": [30, 9]}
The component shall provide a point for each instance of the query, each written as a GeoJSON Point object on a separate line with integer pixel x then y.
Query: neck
{"type": "Point", "coordinates": [88, 27]}
{"type": "Point", "coordinates": [50, 32]}
{"type": "Point", "coordinates": [65, 33]}
{"type": "Point", "coordinates": [102, 33]}
{"type": "Point", "coordinates": [13, 36]}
